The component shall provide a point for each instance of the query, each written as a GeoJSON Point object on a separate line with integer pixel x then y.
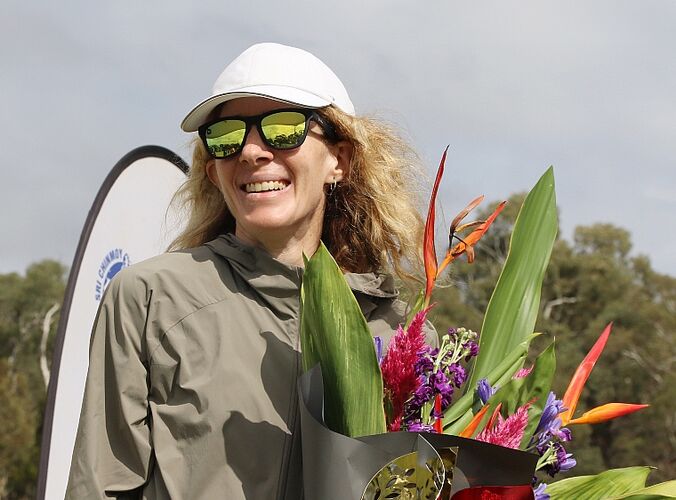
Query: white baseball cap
{"type": "Point", "coordinates": [277, 72]}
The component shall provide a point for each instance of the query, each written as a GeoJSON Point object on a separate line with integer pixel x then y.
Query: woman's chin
{"type": "Point", "coordinates": [263, 223]}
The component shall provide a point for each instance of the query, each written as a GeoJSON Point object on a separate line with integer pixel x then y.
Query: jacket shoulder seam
{"type": "Point", "coordinates": [178, 322]}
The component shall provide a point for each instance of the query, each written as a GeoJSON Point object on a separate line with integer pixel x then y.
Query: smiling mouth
{"type": "Point", "coordinates": [265, 186]}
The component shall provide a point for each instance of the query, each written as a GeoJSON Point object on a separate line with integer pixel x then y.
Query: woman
{"type": "Point", "coordinates": [191, 389]}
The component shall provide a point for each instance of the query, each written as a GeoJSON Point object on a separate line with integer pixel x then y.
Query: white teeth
{"type": "Point", "coordinates": [260, 187]}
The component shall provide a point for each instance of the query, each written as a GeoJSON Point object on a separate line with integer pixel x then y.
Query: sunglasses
{"type": "Point", "coordinates": [279, 129]}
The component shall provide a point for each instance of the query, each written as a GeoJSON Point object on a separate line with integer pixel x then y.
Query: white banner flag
{"type": "Point", "coordinates": [130, 221]}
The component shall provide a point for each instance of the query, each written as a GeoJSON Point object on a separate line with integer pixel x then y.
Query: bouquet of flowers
{"type": "Point", "coordinates": [471, 430]}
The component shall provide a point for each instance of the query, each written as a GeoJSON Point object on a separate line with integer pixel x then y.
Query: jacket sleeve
{"type": "Point", "coordinates": [113, 453]}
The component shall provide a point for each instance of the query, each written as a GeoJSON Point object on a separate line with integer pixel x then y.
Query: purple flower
{"type": "Point", "coordinates": [543, 439]}
{"type": "Point", "coordinates": [440, 383]}
{"type": "Point", "coordinates": [423, 393]}
{"type": "Point", "coordinates": [443, 387]}
{"type": "Point", "coordinates": [548, 438]}
{"type": "Point", "coordinates": [563, 462]}
{"type": "Point", "coordinates": [438, 372]}
{"type": "Point", "coordinates": [459, 374]}
{"type": "Point", "coordinates": [550, 413]}
{"type": "Point", "coordinates": [472, 349]}
{"type": "Point", "coordinates": [549, 427]}
{"type": "Point", "coordinates": [379, 348]}
{"type": "Point", "coordinates": [564, 434]}
{"type": "Point", "coordinates": [424, 364]}
{"type": "Point", "coordinates": [540, 492]}
{"type": "Point", "coordinates": [418, 426]}
{"type": "Point", "coordinates": [484, 390]}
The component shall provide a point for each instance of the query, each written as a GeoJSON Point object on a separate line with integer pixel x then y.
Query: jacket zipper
{"type": "Point", "coordinates": [293, 415]}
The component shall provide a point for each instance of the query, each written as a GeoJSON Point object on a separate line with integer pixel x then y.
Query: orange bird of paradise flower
{"type": "Point", "coordinates": [466, 244]}
{"type": "Point", "coordinates": [571, 397]}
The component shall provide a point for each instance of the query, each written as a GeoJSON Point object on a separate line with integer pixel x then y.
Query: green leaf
{"type": "Point", "coordinates": [508, 395]}
{"type": "Point", "coordinates": [513, 307]}
{"type": "Point", "coordinates": [511, 363]}
{"type": "Point", "coordinates": [537, 387]}
{"type": "Point", "coordinates": [614, 483]}
{"type": "Point", "coordinates": [654, 492]}
{"type": "Point", "coordinates": [533, 388]}
{"type": "Point", "coordinates": [334, 333]}
{"type": "Point", "coordinates": [470, 404]}
{"type": "Point", "coordinates": [506, 368]}
{"type": "Point", "coordinates": [513, 393]}
{"type": "Point", "coordinates": [417, 307]}
{"type": "Point", "coordinates": [459, 414]}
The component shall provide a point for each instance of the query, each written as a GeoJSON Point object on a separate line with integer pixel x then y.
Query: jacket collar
{"type": "Point", "coordinates": [372, 284]}
{"type": "Point", "coordinates": [273, 277]}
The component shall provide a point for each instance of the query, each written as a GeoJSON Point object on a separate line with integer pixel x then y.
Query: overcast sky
{"type": "Point", "coordinates": [589, 87]}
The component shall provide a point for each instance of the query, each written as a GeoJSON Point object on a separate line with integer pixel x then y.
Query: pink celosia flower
{"type": "Point", "coordinates": [395, 425]}
{"type": "Point", "coordinates": [523, 372]}
{"type": "Point", "coordinates": [506, 432]}
{"type": "Point", "coordinates": [398, 366]}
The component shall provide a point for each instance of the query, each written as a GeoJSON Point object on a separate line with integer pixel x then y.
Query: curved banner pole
{"type": "Point", "coordinates": [130, 220]}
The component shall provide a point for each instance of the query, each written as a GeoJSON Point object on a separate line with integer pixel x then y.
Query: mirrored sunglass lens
{"type": "Point", "coordinates": [225, 137]}
{"type": "Point", "coordinates": [284, 130]}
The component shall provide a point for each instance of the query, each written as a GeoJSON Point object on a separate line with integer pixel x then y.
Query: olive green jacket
{"type": "Point", "coordinates": [191, 389]}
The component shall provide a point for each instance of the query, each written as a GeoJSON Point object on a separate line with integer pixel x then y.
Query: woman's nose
{"type": "Point", "coordinates": [254, 151]}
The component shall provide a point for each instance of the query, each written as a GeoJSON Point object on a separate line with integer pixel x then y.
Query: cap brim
{"type": "Point", "coordinates": [200, 113]}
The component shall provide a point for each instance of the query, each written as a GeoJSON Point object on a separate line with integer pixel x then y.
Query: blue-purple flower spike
{"type": "Point", "coordinates": [549, 427]}
{"type": "Point", "coordinates": [378, 342]}
{"type": "Point", "coordinates": [564, 461]}
{"type": "Point", "coordinates": [553, 407]}
{"type": "Point", "coordinates": [539, 492]}
{"type": "Point", "coordinates": [484, 390]}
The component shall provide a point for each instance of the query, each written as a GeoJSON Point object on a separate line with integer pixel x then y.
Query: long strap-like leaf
{"type": "Point", "coordinates": [610, 484]}
{"type": "Point", "coordinates": [334, 333]}
{"type": "Point", "coordinates": [513, 307]}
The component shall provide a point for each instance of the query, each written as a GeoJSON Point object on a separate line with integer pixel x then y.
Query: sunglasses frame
{"type": "Point", "coordinates": [309, 114]}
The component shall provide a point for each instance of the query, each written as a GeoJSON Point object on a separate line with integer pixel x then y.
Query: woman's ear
{"type": "Point", "coordinates": [210, 168]}
{"type": "Point", "coordinates": [342, 150]}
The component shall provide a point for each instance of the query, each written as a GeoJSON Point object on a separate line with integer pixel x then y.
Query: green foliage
{"type": "Point", "coordinates": [612, 484]}
{"type": "Point", "coordinates": [19, 445]}
{"type": "Point", "coordinates": [343, 349]}
{"type": "Point", "coordinates": [513, 307]}
{"type": "Point", "coordinates": [460, 413]}
{"type": "Point", "coordinates": [601, 283]}
{"type": "Point", "coordinates": [657, 491]}
{"type": "Point", "coordinates": [533, 389]}
{"type": "Point", "coordinates": [24, 302]}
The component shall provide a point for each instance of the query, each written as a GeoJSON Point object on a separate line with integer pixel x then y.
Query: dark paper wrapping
{"type": "Point", "coordinates": [337, 467]}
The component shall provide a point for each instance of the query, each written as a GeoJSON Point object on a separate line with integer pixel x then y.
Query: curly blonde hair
{"type": "Point", "coordinates": [372, 221]}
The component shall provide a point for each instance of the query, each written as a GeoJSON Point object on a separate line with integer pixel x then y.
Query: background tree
{"type": "Point", "coordinates": [28, 306]}
{"type": "Point", "coordinates": [589, 283]}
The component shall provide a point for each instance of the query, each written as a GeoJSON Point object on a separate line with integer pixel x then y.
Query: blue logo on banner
{"type": "Point", "coordinates": [111, 264]}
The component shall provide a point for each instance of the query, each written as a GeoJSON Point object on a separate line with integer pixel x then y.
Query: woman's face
{"type": "Point", "coordinates": [290, 207]}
